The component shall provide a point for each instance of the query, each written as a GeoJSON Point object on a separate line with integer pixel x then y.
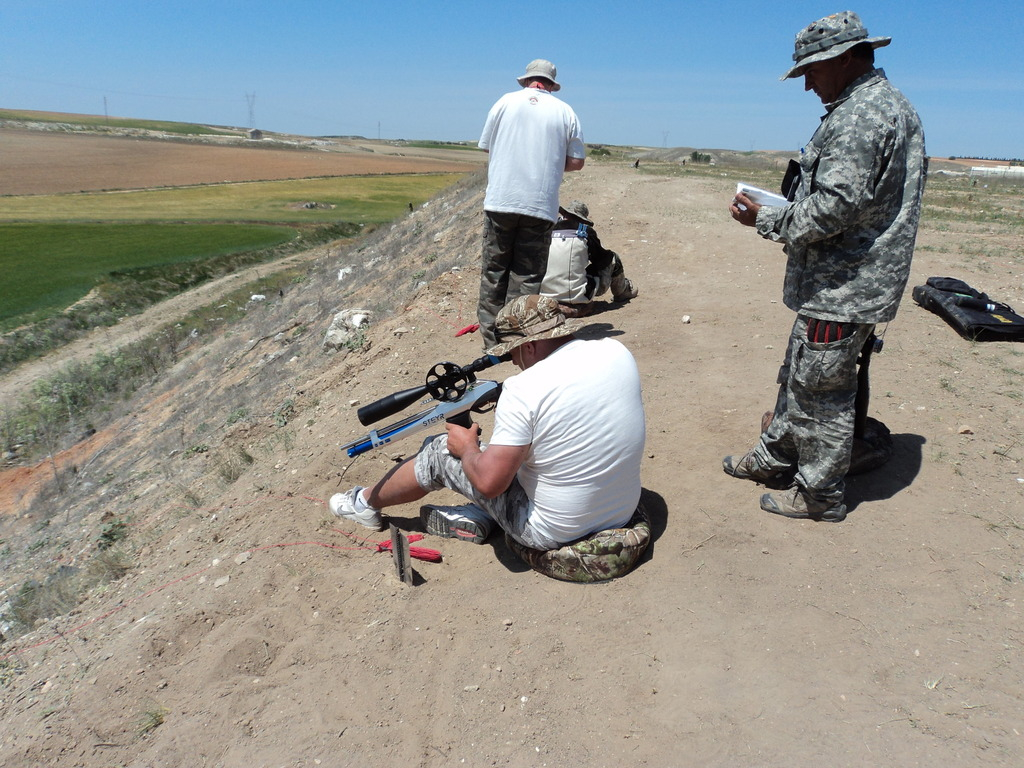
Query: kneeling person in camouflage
{"type": "Point", "coordinates": [579, 267]}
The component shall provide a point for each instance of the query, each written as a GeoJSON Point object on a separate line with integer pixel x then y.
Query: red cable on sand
{"type": "Point", "coordinates": [420, 553]}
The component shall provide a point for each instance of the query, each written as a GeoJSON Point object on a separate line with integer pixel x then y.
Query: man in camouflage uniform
{"type": "Point", "coordinates": [849, 236]}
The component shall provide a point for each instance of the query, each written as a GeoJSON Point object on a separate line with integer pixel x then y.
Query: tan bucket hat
{"type": "Point", "coordinates": [540, 68]}
{"type": "Point", "coordinates": [828, 38]}
{"type": "Point", "coordinates": [530, 318]}
{"type": "Point", "coordinates": [577, 210]}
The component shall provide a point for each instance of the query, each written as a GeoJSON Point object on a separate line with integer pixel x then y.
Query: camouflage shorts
{"type": "Point", "coordinates": [436, 468]}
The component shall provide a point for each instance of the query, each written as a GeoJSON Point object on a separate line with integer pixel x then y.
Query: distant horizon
{"type": "Point", "coordinates": [650, 74]}
{"type": "Point", "coordinates": [435, 139]}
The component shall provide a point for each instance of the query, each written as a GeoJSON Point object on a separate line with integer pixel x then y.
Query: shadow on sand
{"type": "Point", "coordinates": [891, 478]}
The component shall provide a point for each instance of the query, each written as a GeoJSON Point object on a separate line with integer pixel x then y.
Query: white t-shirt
{"type": "Point", "coordinates": [528, 134]}
{"type": "Point", "coordinates": [580, 410]}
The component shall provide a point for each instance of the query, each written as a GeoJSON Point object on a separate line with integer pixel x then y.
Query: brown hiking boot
{"type": "Point", "coordinates": [747, 467]}
{"type": "Point", "coordinates": [627, 290]}
{"type": "Point", "coordinates": [797, 504]}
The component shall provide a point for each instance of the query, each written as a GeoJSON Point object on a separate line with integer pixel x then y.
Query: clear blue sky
{"type": "Point", "coordinates": [701, 74]}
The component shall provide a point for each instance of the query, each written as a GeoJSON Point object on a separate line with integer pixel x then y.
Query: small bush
{"type": "Point", "coordinates": [232, 465]}
{"type": "Point", "coordinates": [39, 601]}
{"type": "Point", "coordinates": [151, 719]}
{"type": "Point", "coordinates": [237, 415]}
{"type": "Point", "coordinates": [8, 671]}
{"type": "Point", "coordinates": [357, 340]}
{"type": "Point", "coordinates": [66, 404]}
{"type": "Point", "coordinates": [283, 414]}
{"type": "Point", "coordinates": [113, 532]}
{"type": "Point", "coordinates": [65, 588]}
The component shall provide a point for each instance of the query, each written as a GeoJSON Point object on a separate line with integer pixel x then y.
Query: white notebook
{"type": "Point", "coordinates": [761, 196]}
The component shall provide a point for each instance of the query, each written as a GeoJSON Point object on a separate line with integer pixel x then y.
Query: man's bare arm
{"type": "Point", "coordinates": [574, 163]}
{"type": "Point", "coordinates": [491, 471]}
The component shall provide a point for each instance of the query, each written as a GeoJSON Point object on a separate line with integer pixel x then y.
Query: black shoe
{"type": "Point", "coordinates": [466, 521]}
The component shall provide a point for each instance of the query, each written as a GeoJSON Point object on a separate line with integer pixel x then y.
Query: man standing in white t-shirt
{"type": "Point", "coordinates": [564, 459]}
{"type": "Point", "coordinates": [533, 138]}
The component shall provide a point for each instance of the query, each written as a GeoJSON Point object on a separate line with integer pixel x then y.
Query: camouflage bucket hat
{"type": "Point", "coordinates": [530, 318]}
{"type": "Point", "coordinates": [828, 38]}
{"type": "Point", "coordinates": [577, 210]}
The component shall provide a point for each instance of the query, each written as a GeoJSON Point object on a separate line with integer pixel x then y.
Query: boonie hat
{"type": "Point", "coordinates": [540, 68]}
{"type": "Point", "coordinates": [530, 318]}
{"type": "Point", "coordinates": [577, 210]}
{"type": "Point", "coordinates": [828, 38]}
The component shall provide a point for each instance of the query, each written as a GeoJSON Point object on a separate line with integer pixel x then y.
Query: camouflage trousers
{"type": "Point", "coordinates": [436, 469]}
{"type": "Point", "coordinates": [812, 427]}
{"type": "Point", "coordinates": [515, 256]}
{"type": "Point", "coordinates": [613, 276]}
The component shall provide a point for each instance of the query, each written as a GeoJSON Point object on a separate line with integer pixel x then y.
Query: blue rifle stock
{"type": "Point", "coordinates": [454, 387]}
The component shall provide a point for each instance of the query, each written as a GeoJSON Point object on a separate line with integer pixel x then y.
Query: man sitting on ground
{"type": "Point", "coordinates": [579, 267]}
{"type": "Point", "coordinates": [564, 459]}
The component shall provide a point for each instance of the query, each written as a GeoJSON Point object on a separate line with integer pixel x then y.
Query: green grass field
{"type": "Point", "coordinates": [55, 248]}
{"type": "Point", "coordinates": [50, 266]}
{"type": "Point", "coordinates": [359, 199]}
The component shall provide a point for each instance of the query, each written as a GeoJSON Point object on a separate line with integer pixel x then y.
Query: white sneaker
{"type": "Point", "coordinates": [466, 521]}
{"type": "Point", "coordinates": [349, 507]}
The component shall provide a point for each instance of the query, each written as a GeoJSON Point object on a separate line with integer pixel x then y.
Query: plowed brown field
{"type": "Point", "coordinates": [44, 163]}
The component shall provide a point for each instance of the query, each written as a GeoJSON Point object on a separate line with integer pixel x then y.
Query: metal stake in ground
{"type": "Point", "coordinates": [400, 554]}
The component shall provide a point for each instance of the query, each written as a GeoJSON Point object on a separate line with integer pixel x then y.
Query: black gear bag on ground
{"type": "Point", "coordinates": [972, 313]}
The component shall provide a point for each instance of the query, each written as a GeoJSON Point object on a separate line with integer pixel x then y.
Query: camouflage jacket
{"type": "Point", "coordinates": [849, 233]}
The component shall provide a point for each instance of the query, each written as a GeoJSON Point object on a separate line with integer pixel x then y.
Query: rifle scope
{"type": "Point", "coordinates": [446, 382]}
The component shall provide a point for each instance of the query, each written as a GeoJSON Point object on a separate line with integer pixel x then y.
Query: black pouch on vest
{"type": "Point", "coordinates": [791, 181]}
{"type": "Point", "coordinates": [972, 313]}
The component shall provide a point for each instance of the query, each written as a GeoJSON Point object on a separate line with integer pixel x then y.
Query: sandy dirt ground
{"type": "Point", "coordinates": [42, 163]}
{"type": "Point", "coordinates": [255, 631]}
